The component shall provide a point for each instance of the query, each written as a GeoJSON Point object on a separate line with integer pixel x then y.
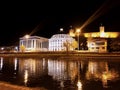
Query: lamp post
{"type": "Point", "coordinates": [78, 34]}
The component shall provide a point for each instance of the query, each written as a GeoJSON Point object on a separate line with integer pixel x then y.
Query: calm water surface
{"type": "Point", "coordinates": [62, 74]}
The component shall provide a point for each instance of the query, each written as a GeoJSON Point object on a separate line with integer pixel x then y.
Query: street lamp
{"type": "Point", "coordinates": [78, 34]}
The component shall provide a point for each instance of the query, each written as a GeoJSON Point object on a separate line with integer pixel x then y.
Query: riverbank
{"type": "Point", "coordinates": [7, 86]}
{"type": "Point", "coordinates": [59, 54]}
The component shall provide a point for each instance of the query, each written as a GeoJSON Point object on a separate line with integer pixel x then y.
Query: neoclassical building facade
{"type": "Point", "coordinates": [57, 42]}
{"type": "Point", "coordinates": [33, 43]}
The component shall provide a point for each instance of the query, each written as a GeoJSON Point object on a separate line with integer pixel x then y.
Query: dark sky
{"type": "Point", "coordinates": [45, 18]}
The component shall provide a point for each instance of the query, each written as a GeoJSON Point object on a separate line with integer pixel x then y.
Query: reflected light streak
{"type": "Point", "coordinates": [15, 62]}
{"type": "Point", "coordinates": [108, 75]}
{"type": "Point", "coordinates": [104, 80]}
{"type": "Point", "coordinates": [1, 63]}
{"type": "Point", "coordinates": [79, 85]}
{"type": "Point", "coordinates": [62, 84]}
{"type": "Point", "coordinates": [26, 77]}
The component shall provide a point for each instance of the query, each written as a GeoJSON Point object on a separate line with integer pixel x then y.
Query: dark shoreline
{"type": "Point", "coordinates": [8, 86]}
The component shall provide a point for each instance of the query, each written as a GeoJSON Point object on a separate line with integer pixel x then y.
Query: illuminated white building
{"type": "Point", "coordinates": [33, 43]}
{"type": "Point", "coordinates": [57, 42]}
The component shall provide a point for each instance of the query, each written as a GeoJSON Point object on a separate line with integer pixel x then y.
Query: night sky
{"type": "Point", "coordinates": [45, 18]}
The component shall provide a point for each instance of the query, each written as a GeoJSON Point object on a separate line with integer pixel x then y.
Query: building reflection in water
{"type": "Point", "coordinates": [62, 70]}
{"type": "Point", "coordinates": [79, 83]}
{"type": "Point", "coordinates": [101, 71]}
{"type": "Point", "coordinates": [66, 73]}
{"type": "Point", "coordinates": [109, 75]}
{"type": "Point", "coordinates": [15, 63]}
{"type": "Point", "coordinates": [32, 68]}
{"type": "Point", "coordinates": [26, 77]}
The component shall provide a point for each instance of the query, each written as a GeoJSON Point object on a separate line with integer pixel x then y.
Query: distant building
{"type": "Point", "coordinates": [9, 49]}
{"type": "Point", "coordinates": [57, 42]}
{"type": "Point", "coordinates": [33, 43]}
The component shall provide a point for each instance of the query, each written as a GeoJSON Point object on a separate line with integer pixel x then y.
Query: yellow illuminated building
{"type": "Point", "coordinates": [97, 41]}
{"type": "Point", "coordinates": [101, 33]}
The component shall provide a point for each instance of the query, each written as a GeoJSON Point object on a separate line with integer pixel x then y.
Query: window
{"type": "Point", "coordinates": [103, 47]}
{"type": "Point", "coordinates": [100, 43]}
{"type": "Point", "coordinates": [97, 47]}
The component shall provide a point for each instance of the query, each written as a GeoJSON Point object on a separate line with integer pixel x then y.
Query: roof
{"type": "Point", "coordinates": [34, 37]}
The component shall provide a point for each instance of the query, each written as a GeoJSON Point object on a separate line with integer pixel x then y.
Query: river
{"type": "Point", "coordinates": [62, 74]}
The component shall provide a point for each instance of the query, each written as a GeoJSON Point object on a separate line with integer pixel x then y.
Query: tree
{"type": "Point", "coordinates": [115, 44]}
{"type": "Point", "coordinates": [22, 48]}
{"type": "Point", "coordinates": [70, 45]}
{"type": "Point", "coordinates": [74, 44]}
{"type": "Point", "coordinates": [67, 45]}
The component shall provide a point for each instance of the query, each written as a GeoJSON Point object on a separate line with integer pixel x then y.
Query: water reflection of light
{"type": "Point", "coordinates": [79, 85]}
{"type": "Point", "coordinates": [73, 70]}
{"type": "Point", "coordinates": [104, 80]}
{"type": "Point", "coordinates": [101, 71]}
{"type": "Point", "coordinates": [15, 63]}
{"type": "Point", "coordinates": [44, 64]}
{"type": "Point", "coordinates": [62, 84]}
{"type": "Point", "coordinates": [95, 69]}
{"type": "Point", "coordinates": [30, 64]}
{"type": "Point", "coordinates": [57, 69]}
{"type": "Point", "coordinates": [1, 63]}
{"type": "Point", "coordinates": [62, 70]}
{"type": "Point", "coordinates": [26, 77]}
{"type": "Point", "coordinates": [109, 75]}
